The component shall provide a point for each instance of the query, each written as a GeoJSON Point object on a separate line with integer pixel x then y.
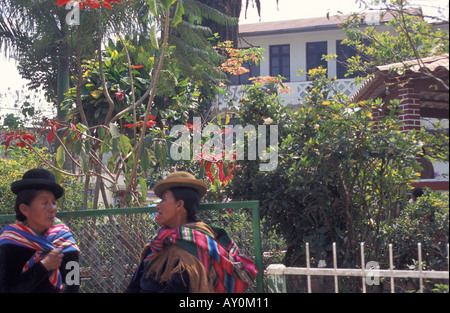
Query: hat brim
{"type": "Point", "coordinates": [163, 185]}
{"type": "Point", "coordinates": [37, 183]}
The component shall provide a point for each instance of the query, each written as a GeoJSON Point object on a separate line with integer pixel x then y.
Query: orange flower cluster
{"type": "Point", "coordinates": [236, 58]}
{"type": "Point", "coordinates": [262, 80]}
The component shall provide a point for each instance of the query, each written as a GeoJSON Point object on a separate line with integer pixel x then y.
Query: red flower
{"type": "Point", "coordinates": [208, 172]}
{"type": "Point", "coordinates": [119, 95]}
{"type": "Point", "coordinates": [140, 123]}
{"type": "Point", "coordinates": [221, 173]}
{"type": "Point", "coordinates": [90, 3]}
{"type": "Point", "coordinates": [193, 127]}
{"type": "Point", "coordinates": [62, 2]}
{"type": "Point", "coordinates": [22, 137]}
{"type": "Point", "coordinates": [54, 125]}
{"type": "Point", "coordinates": [150, 124]}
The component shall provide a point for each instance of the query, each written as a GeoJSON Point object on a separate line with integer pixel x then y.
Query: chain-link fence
{"type": "Point", "coordinates": [111, 240]}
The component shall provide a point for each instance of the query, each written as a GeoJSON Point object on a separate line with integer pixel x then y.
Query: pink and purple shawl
{"type": "Point", "coordinates": [58, 236]}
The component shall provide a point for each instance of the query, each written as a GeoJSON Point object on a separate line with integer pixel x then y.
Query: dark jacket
{"type": "Point", "coordinates": [179, 283]}
{"type": "Point", "coordinates": [35, 280]}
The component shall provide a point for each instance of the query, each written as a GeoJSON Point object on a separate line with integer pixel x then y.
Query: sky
{"type": "Point", "coordinates": [296, 9]}
{"type": "Point", "coordinates": [286, 10]}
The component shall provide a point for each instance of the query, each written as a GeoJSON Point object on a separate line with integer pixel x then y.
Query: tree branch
{"type": "Point", "coordinates": [150, 102]}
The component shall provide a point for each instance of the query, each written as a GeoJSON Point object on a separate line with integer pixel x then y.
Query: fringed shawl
{"type": "Point", "coordinates": [58, 236]}
{"type": "Point", "coordinates": [208, 255]}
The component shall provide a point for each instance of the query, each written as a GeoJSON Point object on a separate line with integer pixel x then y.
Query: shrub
{"type": "Point", "coordinates": [425, 221]}
{"type": "Point", "coordinates": [17, 162]}
{"type": "Point", "coordinates": [12, 168]}
{"type": "Point", "coordinates": [340, 173]}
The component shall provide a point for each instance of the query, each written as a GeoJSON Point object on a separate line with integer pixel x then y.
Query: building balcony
{"type": "Point", "coordinates": [299, 90]}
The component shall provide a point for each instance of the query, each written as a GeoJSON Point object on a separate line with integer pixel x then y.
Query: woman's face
{"type": "Point", "coordinates": [171, 213]}
{"type": "Point", "coordinates": [41, 212]}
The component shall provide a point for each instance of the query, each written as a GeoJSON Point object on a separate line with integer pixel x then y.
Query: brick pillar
{"type": "Point", "coordinates": [377, 115]}
{"type": "Point", "coordinates": [410, 105]}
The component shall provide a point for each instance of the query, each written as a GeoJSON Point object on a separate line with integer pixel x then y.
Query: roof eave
{"type": "Point", "coordinates": [290, 30]}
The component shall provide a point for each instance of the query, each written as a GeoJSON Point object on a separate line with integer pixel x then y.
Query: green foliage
{"type": "Point", "coordinates": [28, 114]}
{"type": "Point", "coordinates": [409, 37]}
{"type": "Point", "coordinates": [168, 69]}
{"type": "Point", "coordinates": [42, 42]}
{"type": "Point", "coordinates": [19, 161]}
{"type": "Point", "coordinates": [425, 221]}
{"type": "Point", "coordinates": [12, 169]}
{"type": "Point", "coordinates": [435, 144]}
{"type": "Point", "coordinates": [440, 288]}
{"type": "Point", "coordinates": [155, 74]}
{"type": "Point", "coordinates": [11, 121]}
{"type": "Point", "coordinates": [115, 68]}
{"type": "Point", "coordinates": [46, 45]}
{"type": "Point", "coordinates": [341, 176]}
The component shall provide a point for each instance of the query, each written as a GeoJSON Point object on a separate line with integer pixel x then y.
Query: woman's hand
{"type": "Point", "coordinates": [53, 259]}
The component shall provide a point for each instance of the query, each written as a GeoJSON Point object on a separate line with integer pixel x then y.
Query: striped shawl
{"type": "Point", "coordinates": [58, 236]}
{"type": "Point", "coordinates": [227, 270]}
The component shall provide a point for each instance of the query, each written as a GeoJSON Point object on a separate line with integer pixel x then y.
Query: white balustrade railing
{"type": "Point", "coordinates": [299, 90]}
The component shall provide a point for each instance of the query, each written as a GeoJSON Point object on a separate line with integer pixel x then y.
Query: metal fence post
{"type": "Point", "coordinates": [257, 246]}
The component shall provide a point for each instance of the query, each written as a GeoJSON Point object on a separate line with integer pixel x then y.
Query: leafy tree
{"type": "Point", "coordinates": [41, 42]}
{"type": "Point", "coordinates": [232, 8]}
{"type": "Point", "coordinates": [47, 47]}
{"type": "Point", "coordinates": [410, 37]}
{"type": "Point", "coordinates": [110, 110]}
{"type": "Point", "coordinates": [340, 177]}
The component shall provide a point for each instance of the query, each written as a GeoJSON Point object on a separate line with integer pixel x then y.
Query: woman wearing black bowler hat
{"type": "Point", "coordinates": [35, 250]}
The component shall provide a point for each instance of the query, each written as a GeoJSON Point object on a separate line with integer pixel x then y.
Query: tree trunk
{"type": "Point", "coordinates": [229, 7]}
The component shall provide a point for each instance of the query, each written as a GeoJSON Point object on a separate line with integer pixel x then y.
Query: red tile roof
{"type": "Point", "coordinates": [432, 64]}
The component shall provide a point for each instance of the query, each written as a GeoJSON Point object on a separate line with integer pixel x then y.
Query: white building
{"type": "Point", "coordinates": [294, 45]}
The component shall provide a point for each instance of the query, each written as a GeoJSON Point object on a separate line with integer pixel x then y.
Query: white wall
{"type": "Point", "coordinates": [297, 42]}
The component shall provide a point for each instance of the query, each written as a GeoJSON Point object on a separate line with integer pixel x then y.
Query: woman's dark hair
{"type": "Point", "coordinates": [417, 192]}
{"type": "Point", "coordinates": [191, 200]}
{"type": "Point", "coordinates": [24, 196]}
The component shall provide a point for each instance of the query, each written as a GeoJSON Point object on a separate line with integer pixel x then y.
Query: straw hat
{"type": "Point", "coordinates": [38, 179]}
{"type": "Point", "coordinates": [180, 179]}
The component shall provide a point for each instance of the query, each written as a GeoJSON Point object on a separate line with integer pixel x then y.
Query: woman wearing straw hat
{"type": "Point", "coordinates": [187, 255]}
{"type": "Point", "coordinates": [34, 251]}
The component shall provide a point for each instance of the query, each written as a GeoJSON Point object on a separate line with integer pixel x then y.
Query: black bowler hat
{"type": "Point", "coordinates": [38, 179]}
